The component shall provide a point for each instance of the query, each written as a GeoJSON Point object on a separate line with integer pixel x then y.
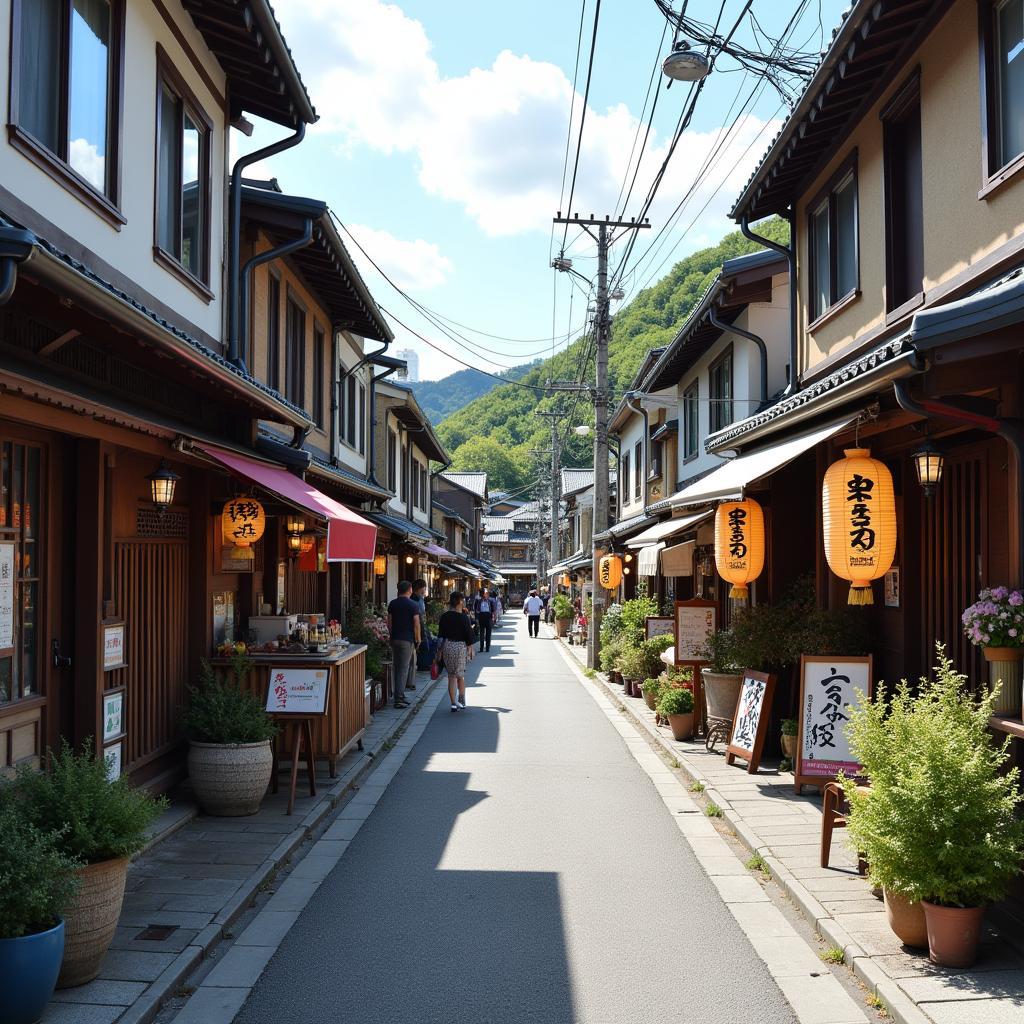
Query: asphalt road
{"type": "Point", "coordinates": [520, 868]}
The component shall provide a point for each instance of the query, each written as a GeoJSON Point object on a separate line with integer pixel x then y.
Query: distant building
{"type": "Point", "coordinates": [412, 359]}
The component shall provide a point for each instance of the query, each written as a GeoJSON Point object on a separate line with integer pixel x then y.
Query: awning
{"type": "Point", "coordinates": [730, 479]}
{"type": "Point", "coordinates": [350, 538]}
{"type": "Point", "coordinates": [436, 550]}
{"type": "Point", "coordinates": [667, 529]}
{"type": "Point", "coordinates": [647, 560]}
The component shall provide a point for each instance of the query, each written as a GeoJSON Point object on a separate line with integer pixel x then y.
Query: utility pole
{"type": "Point", "coordinates": [555, 489]}
{"type": "Point", "coordinates": [605, 238]}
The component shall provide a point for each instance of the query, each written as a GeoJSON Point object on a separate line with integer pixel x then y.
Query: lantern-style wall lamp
{"type": "Point", "coordinates": [294, 542]}
{"type": "Point", "coordinates": [161, 486]}
{"type": "Point", "coordinates": [380, 565]}
{"type": "Point", "coordinates": [409, 559]}
{"type": "Point", "coordinates": [928, 463]}
{"type": "Point", "coordinates": [294, 523]}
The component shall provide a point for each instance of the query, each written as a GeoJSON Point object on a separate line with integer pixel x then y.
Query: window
{"type": "Point", "coordinates": [720, 391]}
{"type": "Point", "coordinates": [274, 331]}
{"type": "Point", "coordinates": [833, 242]}
{"type": "Point", "coordinates": [348, 430]}
{"type": "Point", "coordinates": [1002, 93]}
{"type": "Point", "coordinates": [318, 375]}
{"type": "Point", "coordinates": [362, 418]}
{"type": "Point", "coordinates": [638, 469]}
{"type": "Point", "coordinates": [624, 479]}
{"type": "Point", "coordinates": [182, 178]}
{"type": "Point", "coordinates": [904, 199]}
{"type": "Point", "coordinates": [65, 102]}
{"type": "Point", "coordinates": [691, 421]}
{"type": "Point", "coordinates": [405, 473]}
{"type": "Point", "coordinates": [656, 449]}
{"type": "Point", "coordinates": [392, 460]}
{"type": "Point", "coordinates": [295, 355]}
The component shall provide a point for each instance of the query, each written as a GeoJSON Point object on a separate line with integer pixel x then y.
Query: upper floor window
{"type": "Point", "coordinates": [691, 422]}
{"type": "Point", "coordinates": [362, 418]}
{"type": "Point", "coordinates": [65, 102]}
{"type": "Point", "coordinates": [273, 331]}
{"type": "Point", "coordinates": [405, 473]}
{"type": "Point", "coordinates": [832, 241]}
{"type": "Point", "coordinates": [295, 355]}
{"type": "Point", "coordinates": [392, 460]}
{"type": "Point", "coordinates": [318, 375]}
{"type": "Point", "coordinates": [720, 391]}
{"type": "Point", "coordinates": [624, 479]}
{"type": "Point", "coordinates": [183, 134]}
{"type": "Point", "coordinates": [352, 412]}
{"type": "Point", "coordinates": [638, 469]}
{"type": "Point", "coordinates": [1002, 26]}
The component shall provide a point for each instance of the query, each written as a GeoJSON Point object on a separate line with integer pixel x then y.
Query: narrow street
{"type": "Point", "coordinates": [519, 867]}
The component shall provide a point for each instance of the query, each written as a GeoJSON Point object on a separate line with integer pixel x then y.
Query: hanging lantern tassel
{"type": "Point", "coordinates": [858, 510]}
{"type": "Point", "coordinates": [739, 544]}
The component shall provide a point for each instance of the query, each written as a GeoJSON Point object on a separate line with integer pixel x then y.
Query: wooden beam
{"type": "Point", "coordinates": [59, 342]}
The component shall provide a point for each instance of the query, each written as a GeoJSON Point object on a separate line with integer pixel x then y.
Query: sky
{"type": "Point", "coordinates": [442, 140]}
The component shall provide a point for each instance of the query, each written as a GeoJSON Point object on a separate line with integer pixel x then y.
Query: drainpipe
{"type": "Point", "coordinates": [1010, 430]}
{"type": "Point", "coordinates": [647, 444]}
{"type": "Point", "coordinates": [16, 246]}
{"type": "Point", "coordinates": [758, 341]}
{"type": "Point", "coordinates": [235, 232]}
{"type": "Point", "coordinates": [789, 251]}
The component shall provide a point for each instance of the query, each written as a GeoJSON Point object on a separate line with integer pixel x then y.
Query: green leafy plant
{"type": "Point", "coordinates": [611, 652]}
{"type": "Point", "coordinates": [95, 818]}
{"type": "Point", "coordinates": [939, 820]}
{"type": "Point", "coordinates": [652, 650]}
{"type": "Point", "coordinates": [833, 955]}
{"type": "Point", "coordinates": [634, 619]}
{"type": "Point", "coordinates": [611, 624]}
{"type": "Point", "coordinates": [789, 726]}
{"type": "Point", "coordinates": [712, 810]}
{"type": "Point", "coordinates": [220, 711]}
{"type": "Point", "coordinates": [757, 863]}
{"type": "Point", "coordinates": [632, 663]}
{"type": "Point", "coordinates": [590, 673]}
{"type": "Point", "coordinates": [562, 606]}
{"type": "Point", "coordinates": [37, 879]}
{"type": "Point", "coordinates": [785, 765]}
{"type": "Point", "coordinates": [679, 675]}
{"type": "Point", "coordinates": [697, 787]}
{"type": "Point", "coordinates": [653, 686]}
{"type": "Point", "coordinates": [675, 702]}
{"type": "Point", "coordinates": [720, 652]}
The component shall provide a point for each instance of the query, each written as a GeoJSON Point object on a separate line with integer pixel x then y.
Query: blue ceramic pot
{"type": "Point", "coordinates": [28, 973]}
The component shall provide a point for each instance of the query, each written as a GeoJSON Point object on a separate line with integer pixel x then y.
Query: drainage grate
{"type": "Point", "coordinates": [157, 932]}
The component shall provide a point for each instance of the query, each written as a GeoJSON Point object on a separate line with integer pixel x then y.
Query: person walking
{"type": "Point", "coordinates": [424, 649]}
{"type": "Point", "coordinates": [532, 607]}
{"type": "Point", "coordinates": [455, 648]}
{"type": "Point", "coordinates": [545, 598]}
{"type": "Point", "coordinates": [404, 627]}
{"type": "Point", "coordinates": [483, 608]}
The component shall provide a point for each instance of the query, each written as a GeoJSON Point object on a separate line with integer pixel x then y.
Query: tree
{"type": "Point", "coordinates": [505, 468]}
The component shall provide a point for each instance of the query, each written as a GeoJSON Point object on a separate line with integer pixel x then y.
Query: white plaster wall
{"type": "Point", "coordinates": [631, 432]}
{"type": "Point", "coordinates": [130, 250]}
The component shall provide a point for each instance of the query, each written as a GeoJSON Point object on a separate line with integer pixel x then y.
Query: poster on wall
{"type": "Point", "coordinates": [113, 756]}
{"type": "Point", "coordinates": [695, 621]}
{"type": "Point", "coordinates": [114, 653]}
{"type": "Point", "coordinates": [659, 625]}
{"type": "Point", "coordinates": [828, 690]}
{"type": "Point", "coordinates": [6, 596]}
{"type": "Point", "coordinates": [113, 714]}
{"type": "Point", "coordinates": [750, 723]}
{"type": "Point", "coordinates": [297, 691]}
{"type": "Point", "coordinates": [892, 588]}
{"type": "Point", "coordinates": [223, 617]}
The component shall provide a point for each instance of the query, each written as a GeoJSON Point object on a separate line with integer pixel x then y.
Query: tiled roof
{"type": "Point", "coordinates": [574, 480]}
{"type": "Point", "coordinates": [346, 476]}
{"type": "Point", "coordinates": [474, 482]}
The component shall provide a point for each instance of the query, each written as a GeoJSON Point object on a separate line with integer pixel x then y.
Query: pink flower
{"type": "Point", "coordinates": [1013, 632]}
{"type": "Point", "coordinates": [1016, 598]}
{"type": "Point", "coordinates": [1000, 593]}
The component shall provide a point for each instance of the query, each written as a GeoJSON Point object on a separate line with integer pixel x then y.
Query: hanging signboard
{"type": "Point", "coordinates": [6, 596]}
{"type": "Point", "coordinates": [750, 723]}
{"type": "Point", "coordinates": [297, 691]}
{"type": "Point", "coordinates": [828, 689]}
{"type": "Point", "coordinates": [113, 714]}
{"type": "Point", "coordinates": [114, 655]}
{"type": "Point", "coordinates": [659, 625]}
{"type": "Point", "coordinates": [113, 756]}
{"type": "Point", "coordinates": [695, 621]}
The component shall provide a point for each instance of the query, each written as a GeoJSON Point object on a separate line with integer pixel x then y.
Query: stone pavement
{"type": "Point", "coordinates": [198, 875]}
{"type": "Point", "coordinates": [770, 819]}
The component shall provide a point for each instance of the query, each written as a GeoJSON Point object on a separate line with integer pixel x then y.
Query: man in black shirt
{"type": "Point", "coordinates": [483, 607]}
{"type": "Point", "coordinates": [404, 626]}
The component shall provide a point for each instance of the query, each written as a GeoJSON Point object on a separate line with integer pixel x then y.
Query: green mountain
{"type": "Point", "coordinates": [441, 398]}
{"type": "Point", "coordinates": [497, 431]}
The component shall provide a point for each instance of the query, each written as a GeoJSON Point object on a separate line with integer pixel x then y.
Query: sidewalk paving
{"type": "Point", "coordinates": [769, 818]}
{"type": "Point", "coordinates": [199, 874]}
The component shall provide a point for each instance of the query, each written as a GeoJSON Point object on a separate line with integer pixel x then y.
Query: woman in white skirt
{"type": "Point", "coordinates": [455, 633]}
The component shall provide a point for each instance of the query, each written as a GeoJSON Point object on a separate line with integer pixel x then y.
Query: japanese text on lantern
{"type": "Point", "coordinates": [737, 521]}
{"type": "Point", "coordinates": [862, 536]}
{"type": "Point", "coordinates": [244, 517]}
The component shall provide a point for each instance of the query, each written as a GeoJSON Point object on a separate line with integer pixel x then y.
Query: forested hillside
{"type": "Point", "coordinates": [440, 398]}
{"type": "Point", "coordinates": [496, 432]}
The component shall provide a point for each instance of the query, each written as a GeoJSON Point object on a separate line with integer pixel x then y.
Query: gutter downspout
{"type": "Point", "coordinates": [16, 246]}
{"type": "Point", "coordinates": [758, 341]}
{"type": "Point", "coordinates": [789, 251]}
{"type": "Point", "coordinates": [647, 443]}
{"type": "Point", "coordinates": [1010, 430]}
{"type": "Point", "coordinates": [235, 231]}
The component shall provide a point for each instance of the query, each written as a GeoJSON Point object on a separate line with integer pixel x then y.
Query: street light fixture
{"type": "Point", "coordinates": [684, 64]}
{"type": "Point", "coordinates": [161, 486]}
{"type": "Point", "coordinates": [928, 463]}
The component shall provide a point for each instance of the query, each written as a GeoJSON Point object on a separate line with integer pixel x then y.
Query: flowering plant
{"type": "Point", "coordinates": [996, 619]}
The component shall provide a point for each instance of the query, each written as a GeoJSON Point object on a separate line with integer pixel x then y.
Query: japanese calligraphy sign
{"type": "Point", "coordinates": [828, 688]}
{"type": "Point", "coordinates": [242, 524]}
{"type": "Point", "coordinates": [696, 620]}
{"type": "Point", "coordinates": [297, 691]}
{"type": "Point", "coordinates": [739, 544]}
{"type": "Point", "coordinates": [113, 639]}
{"type": "Point", "coordinates": [750, 723]}
{"type": "Point", "coordinates": [6, 596]}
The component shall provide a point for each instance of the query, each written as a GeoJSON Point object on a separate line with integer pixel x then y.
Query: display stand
{"type": "Point", "coordinates": [694, 621]}
{"type": "Point", "coordinates": [303, 737]}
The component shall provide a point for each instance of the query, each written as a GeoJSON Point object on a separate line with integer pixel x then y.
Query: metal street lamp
{"type": "Point", "coordinates": [684, 64]}
{"type": "Point", "coordinates": [928, 463]}
{"type": "Point", "coordinates": [161, 486]}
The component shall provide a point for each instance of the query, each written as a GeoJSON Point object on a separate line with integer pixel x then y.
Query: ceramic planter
{"type": "Point", "coordinates": [953, 934]}
{"type": "Point", "coordinates": [788, 746]}
{"type": "Point", "coordinates": [681, 726]}
{"type": "Point", "coordinates": [649, 700]}
{"type": "Point", "coordinates": [561, 627]}
{"type": "Point", "coordinates": [91, 919]}
{"type": "Point", "coordinates": [627, 686]}
{"type": "Point", "coordinates": [29, 966]}
{"type": "Point", "coordinates": [1006, 666]}
{"type": "Point", "coordinates": [230, 779]}
{"type": "Point", "coordinates": [906, 919]}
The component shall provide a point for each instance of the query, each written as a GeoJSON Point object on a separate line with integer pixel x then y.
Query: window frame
{"type": "Point", "coordinates": [291, 364]}
{"type": "Point", "coordinates": [691, 399]}
{"type": "Point", "coordinates": [319, 361]}
{"type": "Point", "coordinates": [624, 479]}
{"type": "Point", "coordinates": [994, 172]}
{"type": "Point", "coordinates": [638, 470]}
{"type": "Point", "coordinates": [168, 76]}
{"type": "Point", "coordinates": [715, 406]}
{"type": "Point", "coordinates": [847, 170]}
{"type": "Point", "coordinates": [362, 418]}
{"type": "Point", "coordinates": [274, 329]}
{"type": "Point", "coordinates": [392, 460]}
{"type": "Point", "coordinates": [106, 204]}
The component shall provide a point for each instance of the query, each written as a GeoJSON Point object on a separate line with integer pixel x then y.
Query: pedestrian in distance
{"type": "Point", "coordinates": [546, 599]}
{"type": "Point", "coordinates": [483, 608]}
{"type": "Point", "coordinates": [404, 627]}
{"type": "Point", "coordinates": [424, 650]}
{"type": "Point", "coordinates": [455, 648]}
{"type": "Point", "coordinates": [532, 608]}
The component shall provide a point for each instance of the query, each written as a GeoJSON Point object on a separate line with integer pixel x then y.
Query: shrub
{"type": "Point", "coordinates": [675, 702]}
{"type": "Point", "coordinates": [634, 618]}
{"type": "Point", "coordinates": [611, 624]}
{"type": "Point", "coordinates": [562, 606]}
{"type": "Point", "coordinates": [720, 652]}
{"type": "Point", "coordinates": [95, 818]}
{"type": "Point", "coordinates": [789, 727]}
{"type": "Point", "coordinates": [939, 822]}
{"type": "Point", "coordinates": [652, 688]}
{"type": "Point", "coordinates": [610, 654]}
{"type": "Point", "coordinates": [37, 879]}
{"type": "Point", "coordinates": [219, 711]}
{"type": "Point", "coordinates": [679, 675]}
{"type": "Point", "coordinates": [632, 663]}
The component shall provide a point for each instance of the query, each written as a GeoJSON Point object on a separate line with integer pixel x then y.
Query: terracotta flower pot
{"type": "Point", "coordinates": [649, 700]}
{"type": "Point", "coordinates": [953, 934]}
{"type": "Point", "coordinates": [906, 919]}
{"type": "Point", "coordinates": [561, 627]}
{"type": "Point", "coordinates": [638, 689]}
{"type": "Point", "coordinates": [788, 746]}
{"type": "Point", "coordinates": [230, 779]}
{"type": "Point", "coordinates": [681, 726]}
{"type": "Point", "coordinates": [91, 919]}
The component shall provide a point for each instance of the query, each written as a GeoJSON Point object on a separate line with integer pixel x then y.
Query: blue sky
{"type": "Point", "coordinates": [442, 140]}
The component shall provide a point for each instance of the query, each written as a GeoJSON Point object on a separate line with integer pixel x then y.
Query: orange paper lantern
{"type": "Point", "coordinates": [610, 571]}
{"type": "Point", "coordinates": [858, 511]}
{"type": "Point", "coordinates": [380, 565]}
{"type": "Point", "coordinates": [242, 523]}
{"type": "Point", "coordinates": [564, 579]}
{"type": "Point", "coordinates": [739, 544]}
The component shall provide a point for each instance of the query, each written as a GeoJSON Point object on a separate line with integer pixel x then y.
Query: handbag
{"type": "Point", "coordinates": [435, 670]}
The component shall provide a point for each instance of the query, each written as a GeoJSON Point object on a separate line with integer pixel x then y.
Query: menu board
{"type": "Point", "coordinates": [297, 691]}
{"type": "Point", "coordinates": [829, 687]}
{"type": "Point", "coordinates": [750, 723]}
{"type": "Point", "coordinates": [113, 645]}
{"type": "Point", "coordinates": [695, 621]}
{"type": "Point", "coordinates": [659, 625]}
{"type": "Point", "coordinates": [6, 595]}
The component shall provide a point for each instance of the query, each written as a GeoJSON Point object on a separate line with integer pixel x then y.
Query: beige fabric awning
{"type": "Point", "coordinates": [662, 531]}
{"type": "Point", "coordinates": [678, 560]}
{"type": "Point", "coordinates": [647, 559]}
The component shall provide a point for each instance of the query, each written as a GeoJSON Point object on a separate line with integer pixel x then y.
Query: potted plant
{"type": "Point", "coordinates": [788, 738]}
{"type": "Point", "coordinates": [652, 691]}
{"type": "Point", "coordinates": [995, 623]}
{"type": "Point", "coordinates": [229, 757]}
{"type": "Point", "coordinates": [632, 664]}
{"type": "Point", "coordinates": [100, 822]}
{"type": "Point", "coordinates": [611, 642]}
{"type": "Point", "coordinates": [938, 824]}
{"type": "Point", "coordinates": [677, 707]}
{"type": "Point", "coordinates": [37, 881]}
{"type": "Point", "coordinates": [722, 677]}
{"type": "Point", "coordinates": [563, 613]}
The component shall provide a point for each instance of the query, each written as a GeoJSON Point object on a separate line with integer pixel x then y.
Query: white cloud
{"type": "Point", "coordinates": [414, 266]}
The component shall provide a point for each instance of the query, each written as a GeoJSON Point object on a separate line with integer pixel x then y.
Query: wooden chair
{"type": "Point", "coordinates": [834, 811]}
